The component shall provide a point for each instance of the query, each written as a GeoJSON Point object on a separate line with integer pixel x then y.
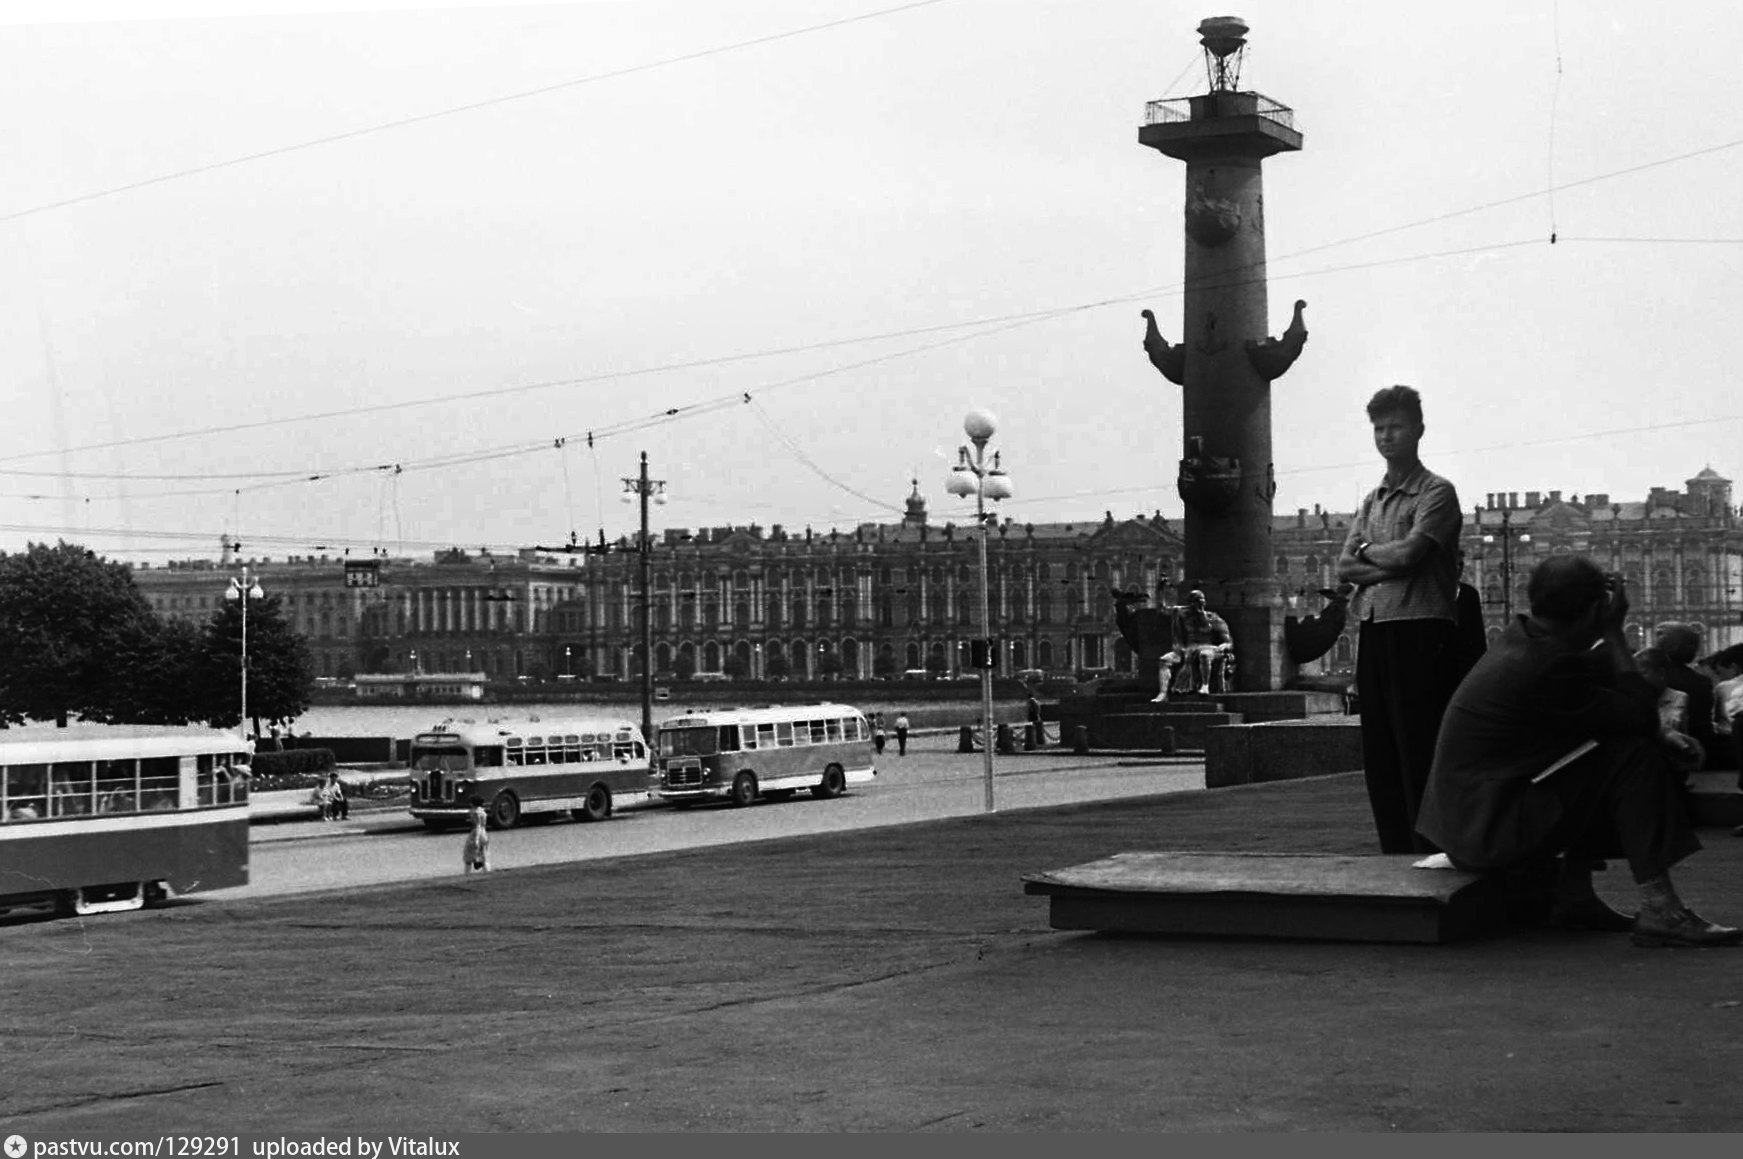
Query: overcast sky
{"type": "Point", "coordinates": [338, 239]}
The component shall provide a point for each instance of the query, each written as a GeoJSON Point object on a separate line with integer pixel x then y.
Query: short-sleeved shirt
{"type": "Point", "coordinates": [1422, 502]}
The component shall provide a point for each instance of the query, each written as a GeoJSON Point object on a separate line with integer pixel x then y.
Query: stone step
{"type": "Point", "coordinates": [1714, 801]}
{"type": "Point", "coordinates": [1281, 750]}
{"type": "Point", "coordinates": [1271, 895]}
{"type": "Point", "coordinates": [1140, 730]}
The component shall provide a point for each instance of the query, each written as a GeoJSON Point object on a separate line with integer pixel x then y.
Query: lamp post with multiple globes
{"type": "Point", "coordinates": [973, 476]}
{"type": "Point", "coordinates": [241, 591]}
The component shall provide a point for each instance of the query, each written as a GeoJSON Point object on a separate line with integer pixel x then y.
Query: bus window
{"type": "Point", "coordinates": [818, 732]}
{"type": "Point", "coordinates": [784, 734]}
{"type": "Point", "coordinates": [535, 756]}
{"type": "Point", "coordinates": [746, 736]}
{"type": "Point", "coordinates": [572, 748]}
{"type": "Point", "coordinates": [728, 739]}
{"type": "Point", "coordinates": [834, 725]}
{"type": "Point", "coordinates": [26, 792]}
{"type": "Point", "coordinates": [690, 742]}
{"type": "Point", "coordinates": [451, 759]}
{"type": "Point", "coordinates": [487, 756]}
{"type": "Point", "coordinates": [766, 735]}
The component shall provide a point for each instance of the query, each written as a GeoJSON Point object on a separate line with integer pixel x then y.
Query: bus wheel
{"type": "Point", "coordinates": [834, 784]}
{"type": "Point", "coordinates": [597, 807]}
{"type": "Point", "coordinates": [504, 811]}
{"type": "Point", "coordinates": [744, 789]}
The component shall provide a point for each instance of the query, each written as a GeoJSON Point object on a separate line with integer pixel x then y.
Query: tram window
{"type": "Point", "coordinates": [70, 788]}
{"type": "Point", "coordinates": [26, 799]}
{"type": "Point", "coordinates": [117, 787]}
{"type": "Point", "coordinates": [159, 782]}
{"type": "Point", "coordinates": [784, 734]}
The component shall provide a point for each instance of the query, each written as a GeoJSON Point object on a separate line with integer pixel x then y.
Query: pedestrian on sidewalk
{"type": "Point", "coordinates": [901, 734]}
{"type": "Point", "coordinates": [334, 806]}
{"type": "Point", "coordinates": [476, 852]}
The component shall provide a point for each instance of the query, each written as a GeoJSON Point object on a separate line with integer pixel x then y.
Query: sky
{"type": "Point", "coordinates": [346, 278]}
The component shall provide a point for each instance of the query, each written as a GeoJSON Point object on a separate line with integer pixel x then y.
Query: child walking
{"type": "Point", "coordinates": [476, 853]}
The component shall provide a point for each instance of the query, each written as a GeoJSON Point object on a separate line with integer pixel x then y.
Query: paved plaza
{"type": "Point", "coordinates": [895, 979]}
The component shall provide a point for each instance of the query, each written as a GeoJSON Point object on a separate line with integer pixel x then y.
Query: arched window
{"type": "Point", "coordinates": [1044, 607]}
{"type": "Point", "coordinates": [1044, 654]}
{"type": "Point", "coordinates": [1019, 654]}
{"type": "Point", "coordinates": [711, 657]}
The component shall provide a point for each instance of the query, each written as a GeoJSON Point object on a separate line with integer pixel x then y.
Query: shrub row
{"type": "Point", "coordinates": [295, 762]}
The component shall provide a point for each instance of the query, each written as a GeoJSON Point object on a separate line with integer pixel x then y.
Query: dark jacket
{"type": "Point", "coordinates": [1700, 692]}
{"type": "Point", "coordinates": [1470, 640]}
{"type": "Point", "coordinates": [1526, 704]}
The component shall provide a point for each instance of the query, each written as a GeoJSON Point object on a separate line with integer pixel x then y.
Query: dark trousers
{"type": "Point", "coordinates": [1622, 800]}
{"type": "Point", "coordinates": [1404, 680]}
{"type": "Point", "coordinates": [902, 742]}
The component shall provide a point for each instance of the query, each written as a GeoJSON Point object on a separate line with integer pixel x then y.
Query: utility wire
{"type": "Point", "coordinates": [488, 102]}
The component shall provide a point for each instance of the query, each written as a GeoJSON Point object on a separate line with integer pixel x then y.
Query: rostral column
{"type": "Point", "coordinates": [1224, 361]}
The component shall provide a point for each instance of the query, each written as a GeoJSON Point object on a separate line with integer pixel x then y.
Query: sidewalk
{"type": "Point", "coordinates": [895, 979]}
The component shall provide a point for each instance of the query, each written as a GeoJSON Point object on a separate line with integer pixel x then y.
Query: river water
{"type": "Point", "coordinates": [401, 720]}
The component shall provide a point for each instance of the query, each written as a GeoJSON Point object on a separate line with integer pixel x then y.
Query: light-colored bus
{"type": "Point", "coordinates": [743, 753]}
{"type": "Point", "coordinates": [98, 818]}
{"type": "Point", "coordinates": [519, 768]}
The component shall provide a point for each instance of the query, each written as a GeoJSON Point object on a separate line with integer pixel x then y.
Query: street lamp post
{"type": "Point", "coordinates": [1506, 538]}
{"type": "Point", "coordinates": [972, 476]}
{"type": "Point", "coordinates": [646, 488]}
{"type": "Point", "coordinates": [241, 591]}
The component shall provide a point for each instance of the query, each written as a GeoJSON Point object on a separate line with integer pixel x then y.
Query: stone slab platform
{"type": "Point", "coordinates": [1714, 800]}
{"type": "Point", "coordinates": [1281, 750]}
{"type": "Point", "coordinates": [1325, 897]}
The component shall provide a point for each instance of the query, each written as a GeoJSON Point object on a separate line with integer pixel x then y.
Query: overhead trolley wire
{"type": "Point", "coordinates": [488, 102]}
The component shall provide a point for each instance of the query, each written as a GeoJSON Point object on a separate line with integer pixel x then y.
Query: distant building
{"type": "Point", "coordinates": [888, 598]}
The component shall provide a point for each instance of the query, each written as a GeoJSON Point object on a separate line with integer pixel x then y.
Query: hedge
{"type": "Point", "coordinates": [294, 761]}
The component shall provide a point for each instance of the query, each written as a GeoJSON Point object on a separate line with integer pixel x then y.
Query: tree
{"type": "Point", "coordinates": [936, 664]}
{"type": "Point", "coordinates": [162, 675]}
{"type": "Point", "coordinates": [281, 672]}
{"type": "Point", "coordinates": [65, 615]}
{"type": "Point", "coordinates": [684, 665]}
{"type": "Point", "coordinates": [828, 665]}
{"type": "Point", "coordinates": [884, 664]}
{"type": "Point", "coordinates": [735, 666]}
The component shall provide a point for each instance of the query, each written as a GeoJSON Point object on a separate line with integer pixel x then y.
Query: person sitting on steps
{"type": "Point", "coordinates": [1550, 749]}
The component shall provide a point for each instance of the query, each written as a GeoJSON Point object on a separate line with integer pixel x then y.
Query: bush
{"type": "Point", "coordinates": [295, 763]}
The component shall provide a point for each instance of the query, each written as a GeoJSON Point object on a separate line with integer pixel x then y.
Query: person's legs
{"type": "Point", "coordinates": [1402, 686]}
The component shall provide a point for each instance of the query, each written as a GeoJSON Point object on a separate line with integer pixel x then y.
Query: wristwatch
{"type": "Point", "coordinates": [1362, 552]}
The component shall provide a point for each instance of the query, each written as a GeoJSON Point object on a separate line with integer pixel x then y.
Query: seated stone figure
{"type": "Point", "coordinates": [1202, 645]}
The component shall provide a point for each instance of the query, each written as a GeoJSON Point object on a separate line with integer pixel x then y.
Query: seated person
{"type": "Point", "coordinates": [1202, 642]}
{"type": "Point", "coordinates": [1682, 750]}
{"type": "Point", "coordinates": [1536, 698]}
{"type": "Point", "coordinates": [1676, 645]}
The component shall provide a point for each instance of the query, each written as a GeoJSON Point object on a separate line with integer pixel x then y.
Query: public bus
{"type": "Point", "coordinates": [102, 818]}
{"type": "Point", "coordinates": [743, 753]}
{"type": "Point", "coordinates": [528, 768]}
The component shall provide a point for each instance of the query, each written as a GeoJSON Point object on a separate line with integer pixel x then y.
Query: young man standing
{"type": "Point", "coordinates": [1402, 555]}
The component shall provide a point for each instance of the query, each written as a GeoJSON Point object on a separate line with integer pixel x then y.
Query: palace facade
{"type": "Point", "coordinates": [888, 598]}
